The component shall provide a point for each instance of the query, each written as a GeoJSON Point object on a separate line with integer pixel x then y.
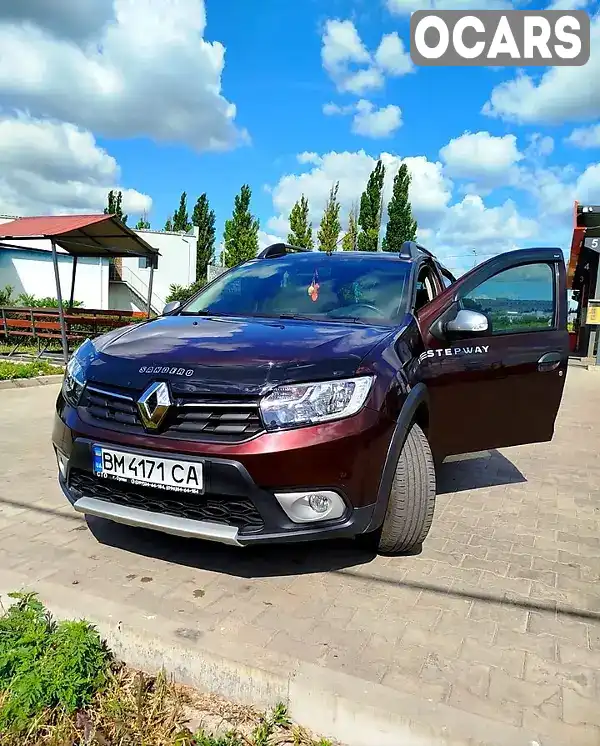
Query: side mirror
{"type": "Point", "coordinates": [469, 323]}
{"type": "Point", "coordinates": [171, 307]}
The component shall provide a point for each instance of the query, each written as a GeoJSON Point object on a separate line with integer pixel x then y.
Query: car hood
{"type": "Point", "coordinates": [227, 354]}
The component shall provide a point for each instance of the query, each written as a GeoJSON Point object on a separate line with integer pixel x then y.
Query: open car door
{"type": "Point", "coordinates": [496, 353]}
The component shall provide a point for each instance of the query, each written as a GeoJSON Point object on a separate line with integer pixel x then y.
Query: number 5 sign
{"type": "Point", "coordinates": [592, 243]}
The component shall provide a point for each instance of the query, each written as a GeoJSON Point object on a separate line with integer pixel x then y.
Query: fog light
{"type": "Point", "coordinates": [316, 505]}
{"type": "Point", "coordinates": [319, 502]}
{"type": "Point", "coordinates": [62, 463]}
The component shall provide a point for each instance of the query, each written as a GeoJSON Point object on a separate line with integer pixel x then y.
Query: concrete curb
{"type": "Point", "coordinates": [348, 709]}
{"type": "Point", "coordinates": [24, 383]}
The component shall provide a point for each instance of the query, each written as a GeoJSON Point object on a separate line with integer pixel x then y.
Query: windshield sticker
{"type": "Point", "coordinates": [454, 352]}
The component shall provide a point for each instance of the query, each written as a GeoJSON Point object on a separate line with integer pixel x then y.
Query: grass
{"type": "Point", "coordinates": [60, 686]}
{"type": "Point", "coordinates": [10, 370]}
{"type": "Point", "coordinates": [27, 349]}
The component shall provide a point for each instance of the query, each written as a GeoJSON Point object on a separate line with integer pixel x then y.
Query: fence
{"type": "Point", "coordinates": [21, 325]}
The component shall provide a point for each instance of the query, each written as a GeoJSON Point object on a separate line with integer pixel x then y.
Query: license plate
{"type": "Point", "coordinates": [168, 474]}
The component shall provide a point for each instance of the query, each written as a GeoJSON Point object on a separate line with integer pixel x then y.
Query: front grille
{"type": "Point", "coordinates": [232, 511]}
{"type": "Point", "coordinates": [219, 419]}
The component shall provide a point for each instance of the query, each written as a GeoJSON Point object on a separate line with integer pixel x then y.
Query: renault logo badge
{"type": "Point", "coordinates": [154, 404]}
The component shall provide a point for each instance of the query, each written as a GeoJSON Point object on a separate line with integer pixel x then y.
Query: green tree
{"type": "Point", "coordinates": [300, 227]}
{"type": "Point", "coordinates": [350, 240]}
{"type": "Point", "coordinates": [143, 224]}
{"type": "Point", "coordinates": [401, 225]}
{"type": "Point", "coordinates": [114, 206]}
{"type": "Point", "coordinates": [241, 231]}
{"type": "Point", "coordinates": [181, 221]}
{"type": "Point", "coordinates": [330, 227]}
{"type": "Point", "coordinates": [369, 217]}
{"type": "Point", "coordinates": [204, 219]}
{"type": "Point", "coordinates": [168, 225]}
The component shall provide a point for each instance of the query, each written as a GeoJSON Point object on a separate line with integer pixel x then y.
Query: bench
{"type": "Point", "coordinates": [42, 325]}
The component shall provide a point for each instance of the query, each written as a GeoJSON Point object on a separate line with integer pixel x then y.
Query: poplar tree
{"type": "Point", "coordinates": [369, 217]}
{"type": "Point", "coordinates": [300, 228]}
{"type": "Point", "coordinates": [401, 225]}
{"type": "Point", "coordinates": [330, 227]}
{"type": "Point", "coordinates": [241, 231]}
{"type": "Point", "coordinates": [350, 240]}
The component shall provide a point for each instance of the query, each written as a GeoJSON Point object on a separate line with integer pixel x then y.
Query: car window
{"type": "Point", "coordinates": [426, 288]}
{"type": "Point", "coordinates": [519, 299]}
{"type": "Point", "coordinates": [311, 284]}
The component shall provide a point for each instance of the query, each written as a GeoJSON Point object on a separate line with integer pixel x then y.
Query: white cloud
{"type": "Point", "coordinates": [406, 7]}
{"type": "Point", "coordinates": [55, 168]}
{"type": "Point", "coordinates": [332, 109]}
{"type": "Point", "coordinates": [555, 190]}
{"type": "Point", "coordinates": [352, 67]}
{"type": "Point", "coordinates": [308, 158]}
{"type": "Point", "coordinates": [585, 137]}
{"type": "Point", "coordinates": [363, 80]}
{"type": "Point", "coordinates": [540, 146]}
{"type": "Point", "coordinates": [470, 224]}
{"type": "Point", "coordinates": [267, 239]}
{"type": "Point", "coordinates": [486, 160]}
{"type": "Point", "coordinates": [563, 94]}
{"type": "Point", "coordinates": [149, 72]}
{"type": "Point", "coordinates": [391, 56]}
{"type": "Point", "coordinates": [430, 190]}
{"type": "Point", "coordinates": [368, 120]}
{"type": "Point", "coordinates": [373, 122]}
{"type": "Point", "coordinates": [451, 229]}
{"type": "Point", "coordinates": [64, 18]}
{"type": "Point", "coordinates": [567, 4]}
{"type": "Point", "coordinates": [341, 48]}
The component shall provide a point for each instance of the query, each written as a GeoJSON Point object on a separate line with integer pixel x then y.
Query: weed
{"type": "Point", "coordinates": [10, 370]}
{"type": "Point", "coordinates": [60, 687]}
{"type": "Point", "coordinates": [44, 664]}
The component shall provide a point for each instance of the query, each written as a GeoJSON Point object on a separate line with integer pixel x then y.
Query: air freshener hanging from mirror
{"type": "Point", "coordinates": [313, 288]}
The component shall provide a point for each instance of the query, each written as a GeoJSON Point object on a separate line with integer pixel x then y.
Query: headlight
{"type": "Point", "coordinates": [75, 374]}
{"type": "Point", "coordinates": [308, 403]}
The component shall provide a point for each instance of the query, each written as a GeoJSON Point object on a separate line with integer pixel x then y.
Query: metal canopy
{"type": "Point", "coordinates": [80, 236]}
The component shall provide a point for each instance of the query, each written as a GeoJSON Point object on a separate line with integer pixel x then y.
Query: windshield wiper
{"type": "Point", "coordinates": [298, 317]}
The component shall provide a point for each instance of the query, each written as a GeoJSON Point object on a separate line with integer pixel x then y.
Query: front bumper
{"type": "Point", "coordinates": [233, 509]}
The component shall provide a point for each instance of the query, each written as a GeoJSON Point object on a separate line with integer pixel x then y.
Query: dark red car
{"type": "Point", "coordinates": [304, 395]}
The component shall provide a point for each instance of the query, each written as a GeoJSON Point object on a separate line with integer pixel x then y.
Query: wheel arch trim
{"type": "Point", "coordinates": [417, 397]}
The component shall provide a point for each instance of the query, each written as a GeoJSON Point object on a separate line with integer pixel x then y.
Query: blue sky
{"type": "Point", "coordinates": [139, 95]}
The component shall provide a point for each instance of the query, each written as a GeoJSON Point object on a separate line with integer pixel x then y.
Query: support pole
{"type": "Point", "coordinates": [61, 311]}
{"type": "Point", "coordinates": [149, 309]}
{"type": "Point", "coordinates": [73, 282]}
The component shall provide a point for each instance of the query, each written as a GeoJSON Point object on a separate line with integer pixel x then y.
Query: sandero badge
{"type": "Point", "coordinates": [257, 412]}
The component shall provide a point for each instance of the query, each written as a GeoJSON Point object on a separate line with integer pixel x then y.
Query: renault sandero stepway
{"type": "Point", "coordinates": [304, 395]}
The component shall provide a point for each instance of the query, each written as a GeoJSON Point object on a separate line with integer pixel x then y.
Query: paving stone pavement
{"type": "Point", "coordinates": [499, 616]}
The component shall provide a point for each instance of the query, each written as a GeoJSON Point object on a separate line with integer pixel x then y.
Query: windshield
{"type": "Point", "coordinates": [314, 285]}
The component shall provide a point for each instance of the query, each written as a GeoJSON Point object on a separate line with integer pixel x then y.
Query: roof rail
{"type": "Point", "coordinates": [279, 249]}
{"type": "Point", "coordinates": [411, 250]}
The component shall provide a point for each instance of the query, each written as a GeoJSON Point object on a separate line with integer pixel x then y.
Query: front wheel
{"type": "Point", "coordinates": [411, 503]}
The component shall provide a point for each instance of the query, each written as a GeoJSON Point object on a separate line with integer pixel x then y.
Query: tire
{"type": "Point", "coordinates": [411, 503]}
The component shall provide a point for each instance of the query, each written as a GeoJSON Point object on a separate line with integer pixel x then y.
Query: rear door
{"type": "Point", "coordinates": [503, 385]}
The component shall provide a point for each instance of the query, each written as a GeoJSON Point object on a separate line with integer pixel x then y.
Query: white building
{"type": "Point", "coordinates": [124, 286]}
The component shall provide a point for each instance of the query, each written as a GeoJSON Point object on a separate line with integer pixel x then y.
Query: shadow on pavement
{"type": "Point", "coordinates": [477, 470]}
{"type": "Point", "coordinates": [250, 562]}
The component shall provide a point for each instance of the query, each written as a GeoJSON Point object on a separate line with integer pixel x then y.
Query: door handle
{"type": "Point", "coordinates": [549, 361]}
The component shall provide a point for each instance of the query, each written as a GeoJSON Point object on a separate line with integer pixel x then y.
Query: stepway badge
{"type": "Point", "coordinates": [454, 352]}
